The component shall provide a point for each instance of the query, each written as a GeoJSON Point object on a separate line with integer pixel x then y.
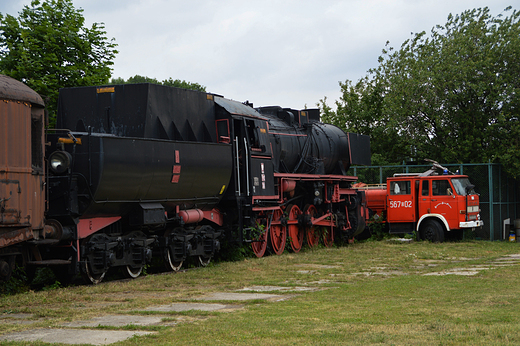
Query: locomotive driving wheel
{"type": "Point", "coordinates": [277, 233]}
{"type": "Point", "coordinates": [328, 236]}
{"type": "Point", "coordinates": [313, 237]}
{"type": "Point", "coordinates": [295, 232]}
{"type": "Point", "coordinates": [259, 243]}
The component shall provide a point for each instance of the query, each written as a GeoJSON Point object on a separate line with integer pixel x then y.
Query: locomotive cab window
{"type": "Point", "coordinates": [252, 134]}
{"type": "Point", "coordinates": [223, 131]}
{"type": "Point", "coordinates": [258, 138]}
{"type": "Point", "coordinates": [400, 187]}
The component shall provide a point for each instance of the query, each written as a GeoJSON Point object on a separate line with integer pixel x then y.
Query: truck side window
{"type": "Point", "coordinates": [441, 188]}
{"type": "Point", "coordinates": [400, 188]}
{"type": "Point", "coordinates": [425, 188]}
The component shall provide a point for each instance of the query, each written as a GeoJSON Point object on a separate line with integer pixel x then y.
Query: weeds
{"type": "Point", "coordinates": [17, 283]}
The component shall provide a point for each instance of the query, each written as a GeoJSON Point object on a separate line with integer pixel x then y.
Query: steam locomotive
{"type": "Point", "coordinates": [138, 171]}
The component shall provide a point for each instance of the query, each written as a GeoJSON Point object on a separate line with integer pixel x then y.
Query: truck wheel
{"type": "Point", "coordinates": [432, 231]}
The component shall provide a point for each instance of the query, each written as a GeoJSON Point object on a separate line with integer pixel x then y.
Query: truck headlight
{"type": "Point", "coordinates": [473, 209]}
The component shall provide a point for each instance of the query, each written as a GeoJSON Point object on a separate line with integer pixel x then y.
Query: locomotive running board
{"type": "Point", "coordinates": [311, 177]}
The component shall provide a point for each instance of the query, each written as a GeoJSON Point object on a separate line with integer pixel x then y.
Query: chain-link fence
{"type": "Point", "coordinates": [499, 194]}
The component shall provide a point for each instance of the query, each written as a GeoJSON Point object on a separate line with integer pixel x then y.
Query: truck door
{"type": "Point", "coordinates": [424, 198]}
{"type": "Point", "coordinates": [401, 207]}
{"type": "Point", "coordinates": [443, 201]}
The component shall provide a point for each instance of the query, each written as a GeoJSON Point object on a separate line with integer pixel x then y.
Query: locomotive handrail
{"type": "Point", "coordinates": [306, 176]}
{"type": "Point", "coordinates": [246, 164]}
{"type": "Point", "coordinates": [56, 130]}
{"type": "Point", "coordinates": [238, 166]}
{"type": "Point", "coordinates": [371, 186]}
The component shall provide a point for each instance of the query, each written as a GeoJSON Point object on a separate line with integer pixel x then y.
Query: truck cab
{"type": "Point", "coordinates": [429, 203]}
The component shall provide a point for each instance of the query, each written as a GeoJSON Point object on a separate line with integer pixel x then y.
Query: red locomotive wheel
{"type": "Point", "coordinates": [328, 236]}
{"type": "Point", "coordinates": [277, 233]}
{"type": "Point", "coordinates": [295, 232]}
{"type": "Point", "coordinates": [312, 236]}
{"type": "Point", "coordinates": [259, 243]}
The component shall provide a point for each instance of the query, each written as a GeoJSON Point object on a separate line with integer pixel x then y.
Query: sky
{"type": "Point", "coordinates": [269, 52]}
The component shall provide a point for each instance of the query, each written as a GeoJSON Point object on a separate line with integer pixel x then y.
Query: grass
{"type": "Point", "coordinates": [369, 293]}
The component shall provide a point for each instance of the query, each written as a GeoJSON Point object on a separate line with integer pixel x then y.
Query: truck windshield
{"type": "Point", "coordinates": [460, 185]}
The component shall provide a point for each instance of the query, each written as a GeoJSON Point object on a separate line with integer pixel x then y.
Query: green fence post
{"type": "Point", "coordinates": [491, 206]}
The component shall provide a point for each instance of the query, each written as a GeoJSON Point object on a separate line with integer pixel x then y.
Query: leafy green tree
{"type": "Point", "coordinates": [168, 82]}
{"type": "Point", "coordinates": [452, 96]}
{"type": "Point", "coordinates": [183, 84]}
{"type": "Point", "coordinates": [140, 79]}
{"type": "Point", "coordinates": [48, 48]}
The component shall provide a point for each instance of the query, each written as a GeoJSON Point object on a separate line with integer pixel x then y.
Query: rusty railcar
{"type": "Point", "coordinates": [22, 179]}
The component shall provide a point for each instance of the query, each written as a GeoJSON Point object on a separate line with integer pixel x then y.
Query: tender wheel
{"type": "Point", "coordinates": [328, 236]}
{"type": "Point", "coordinates": [85, 266]}
{"type": "Point", "coordinates": [259, 244]}
{"type": "Point", "coordinates": [170, 263]}
{"type": "Point", "coordinates": [432, 231]}
{"type": "Point", "coordinates": [204, 261]}
{"type": "Point", "coordinates": [277, 233]}
{"type": "Point", "coordinates": [131, 272]}
{"type": "Point", "coordinates": [312, 236]}
{"type": "Point", "coordinates": [295, 232]}
{"type": "Point", "coordinates": [88, 276]}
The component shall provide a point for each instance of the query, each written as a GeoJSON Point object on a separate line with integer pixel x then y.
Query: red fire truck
{"type": "Point", "coordinates": [431, 203]}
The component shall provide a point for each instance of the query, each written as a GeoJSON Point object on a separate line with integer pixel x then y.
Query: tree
{"type": "Point", "coordinates": [452, 96]}
{"type": "Point", "coordinates": [47, 47]}
{"type": "Point", "coordinates": [168, 82]}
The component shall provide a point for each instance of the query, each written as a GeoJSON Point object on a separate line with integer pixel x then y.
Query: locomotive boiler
{"type": "Point", "coordinates": [142, 170]}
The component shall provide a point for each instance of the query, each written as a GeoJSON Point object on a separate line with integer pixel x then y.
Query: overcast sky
{"type": "Point", "coordinates": [270, 52]}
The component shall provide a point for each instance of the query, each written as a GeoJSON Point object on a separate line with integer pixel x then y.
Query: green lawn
{"type": "Point", "coordinates": [367, 294]}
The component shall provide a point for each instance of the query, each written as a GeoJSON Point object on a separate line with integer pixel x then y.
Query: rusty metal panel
{"type": "Point", "coordinates": [15, 134]}
{"type": "Point", "coordinates": [22, 195]}
{"type": "Point", "coordinates": [16, 236]}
